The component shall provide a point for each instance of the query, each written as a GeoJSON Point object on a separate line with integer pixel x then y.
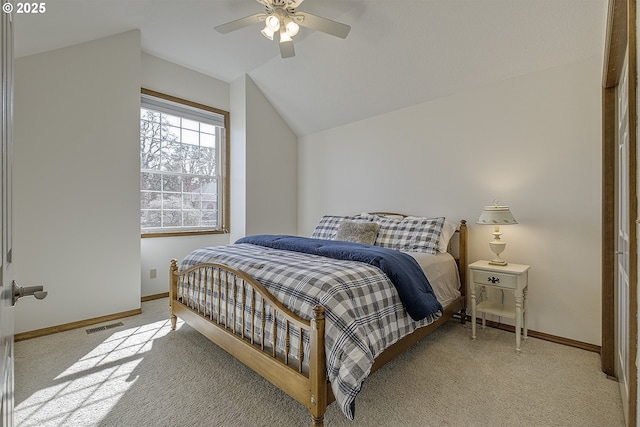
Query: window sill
{"type": "Point", "coordinates": [181, 233]}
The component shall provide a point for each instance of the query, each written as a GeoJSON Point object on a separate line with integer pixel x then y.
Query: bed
{"type": "Point", "coordinates": [316, 324]}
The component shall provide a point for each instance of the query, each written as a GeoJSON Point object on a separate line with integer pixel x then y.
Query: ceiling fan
{"type": "Point", "coordinates": [282, 23]}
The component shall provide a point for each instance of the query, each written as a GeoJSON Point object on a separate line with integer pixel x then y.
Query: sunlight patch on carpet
{"type": "Point", "coordinates": [93, 385]}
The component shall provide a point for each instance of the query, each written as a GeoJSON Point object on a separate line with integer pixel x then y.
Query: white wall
{"type": "Point", "coordinates": [174, 80]}
{"type": "Point", "coordinates": [531, 142]}
{"type": "Point", "coordinates": [76, 175]}
{"type": "Point", "coordinates": [157, 252]}
{"type": "Point", "coordinates": [272, 168]}
{"type": "Point", "coordinates": [238, 159]}
{"type": "Point", "coordinates": [263, 165]}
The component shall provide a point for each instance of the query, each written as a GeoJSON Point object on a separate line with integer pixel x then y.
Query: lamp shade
{"type": "Point", "coordinates": [496, 215]}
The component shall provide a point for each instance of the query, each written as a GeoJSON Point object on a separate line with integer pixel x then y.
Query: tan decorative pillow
{"type": "Point", "coordinates": [358, 231]}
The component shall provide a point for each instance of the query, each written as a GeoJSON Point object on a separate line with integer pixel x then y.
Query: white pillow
{"type": "Point", "coordinates": [448, 230]}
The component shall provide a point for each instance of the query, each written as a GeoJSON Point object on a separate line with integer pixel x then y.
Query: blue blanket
{"type": "Point", "coordinates": [404, 272]}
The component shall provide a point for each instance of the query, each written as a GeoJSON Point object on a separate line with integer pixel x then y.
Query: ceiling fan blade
{"type": "Point", "coordinates": [322, 24]}
{"type": "Point", "coordinates": [285, 4]}
{"type": "Point", "coordinates": [286, 49]}
{"type": "Point", "coordinates": [292, 4]}
{"type": "Point", "coordinates": [240, 23]}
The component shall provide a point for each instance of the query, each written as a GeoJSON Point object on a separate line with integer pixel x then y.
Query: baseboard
{"type": "Point", "coordinates": [155, 296]}
{"type": "Point", "coordinates": [543, 336]}
{"type": "Point", "coordinates": [74, 325]}
{"type": "Point", "coordinates": [84, 323]}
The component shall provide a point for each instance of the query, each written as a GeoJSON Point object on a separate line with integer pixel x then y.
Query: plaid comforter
{"type": "Point", "coordinates": [363, 312]}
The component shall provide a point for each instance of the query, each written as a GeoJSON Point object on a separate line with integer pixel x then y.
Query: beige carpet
{"type": "Point", "coordinates": [143, 374]}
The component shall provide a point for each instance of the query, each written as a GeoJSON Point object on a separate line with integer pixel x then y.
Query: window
{"type": "Point", "coordinates": [183, 166]}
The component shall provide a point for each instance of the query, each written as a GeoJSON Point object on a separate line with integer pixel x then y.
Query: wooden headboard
{"type": "Point", "coordinates": [463, 255]}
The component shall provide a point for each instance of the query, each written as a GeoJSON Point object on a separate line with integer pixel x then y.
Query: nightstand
{"type": "Point", "coordinates": [510, 277]}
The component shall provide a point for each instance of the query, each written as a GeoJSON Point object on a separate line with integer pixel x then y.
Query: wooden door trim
{"type": "Point", "coordinates": [620, 34]}
{"type": "Point", "coordinates": [633, 216]}
{"type": "Point", "coordinates": [607, 353]}
{"type": "Point", "coordinates": [615, 48]}
{"type": "Point", "coordinates": [615, 43]}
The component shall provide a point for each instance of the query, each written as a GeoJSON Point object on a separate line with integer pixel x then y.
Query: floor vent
{"type": "Point", "coordinates": [104, 328]}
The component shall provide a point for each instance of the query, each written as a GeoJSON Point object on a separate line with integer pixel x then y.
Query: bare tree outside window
{"type": "Point", "coordinates": [179, 176]}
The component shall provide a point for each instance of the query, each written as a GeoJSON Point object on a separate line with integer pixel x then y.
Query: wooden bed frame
{"type": "Point", "coordinates": [309, 386]}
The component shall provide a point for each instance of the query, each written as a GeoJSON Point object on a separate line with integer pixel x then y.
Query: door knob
{"type": "Point", "coordinates": [19, 292]}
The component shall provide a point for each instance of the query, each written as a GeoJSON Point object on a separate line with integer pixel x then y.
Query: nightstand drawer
{"type": "Point", "coordinates": [494, 279]}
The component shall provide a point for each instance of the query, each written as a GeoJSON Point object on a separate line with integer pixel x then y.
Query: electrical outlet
{"type": "Point", "coordinates": [153, 273]}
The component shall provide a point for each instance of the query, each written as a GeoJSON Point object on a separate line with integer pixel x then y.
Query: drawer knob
{"type": "Point", "coordinates": [493, 279]}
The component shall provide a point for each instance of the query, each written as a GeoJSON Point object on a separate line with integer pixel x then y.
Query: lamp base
{"type": "Point", "coordinates": [497, 247]}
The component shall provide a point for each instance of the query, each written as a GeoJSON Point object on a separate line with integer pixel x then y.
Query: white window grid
{"type": "Point", "coordinates": [186, 125]}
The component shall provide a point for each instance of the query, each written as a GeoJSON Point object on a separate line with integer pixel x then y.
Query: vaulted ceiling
{"type": "Point", "coordinates": [399, 52]}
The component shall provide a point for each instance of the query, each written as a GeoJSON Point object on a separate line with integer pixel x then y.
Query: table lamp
{"type": "Point", "coordinates": [497, 215]}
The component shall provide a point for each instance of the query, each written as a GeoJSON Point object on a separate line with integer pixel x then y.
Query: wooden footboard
{"type": "Point", "coordinates": [236, 320]}
{"type": "Point", "coordinates": [234, 312]}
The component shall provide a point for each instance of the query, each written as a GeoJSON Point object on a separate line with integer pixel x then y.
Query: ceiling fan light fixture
{"type": "Point", "coordinates": [266, 31]}
{"type": "Point", "coordinates": [284, 36]}
{"type": "Point", "coordinates": [273, 23]}
{"type": "Point", "coordinates": [282, 22]}
{"type": "Point", "coordinates": [291, 27]}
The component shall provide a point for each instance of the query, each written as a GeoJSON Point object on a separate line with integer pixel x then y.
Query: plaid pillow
{"type": "Point", "coordinates": [327, 227]}
{"type": "Point", "coordinates": [409, 234]}
{"type": "Point", "coordinates": [386, 234]}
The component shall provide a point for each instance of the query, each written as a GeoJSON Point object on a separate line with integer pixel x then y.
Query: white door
{"type": "Point", "coordinates": [622, 278]}
{"type": "Point", "coordinates": [6, 273]}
